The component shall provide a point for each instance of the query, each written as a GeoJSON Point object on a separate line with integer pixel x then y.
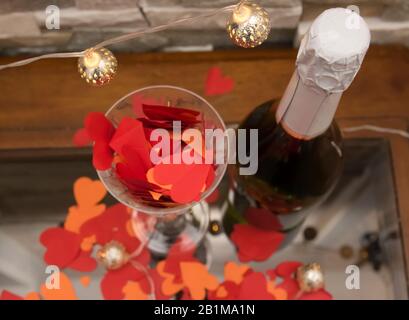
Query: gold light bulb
{"type": "Point", "coordinates": [249, 25]}
{"type": "Point", "coordinates": [241, 13]}
{"type": "Point", "coordinates": [91, 58]}
{"type": "Point", "coordinates": [310, 277]}
{"type": "Point", "coordinates": [97, 66]}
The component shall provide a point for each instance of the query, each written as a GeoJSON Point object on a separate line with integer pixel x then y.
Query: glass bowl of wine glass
{"type": "Point", "coordinates": [171, 152]}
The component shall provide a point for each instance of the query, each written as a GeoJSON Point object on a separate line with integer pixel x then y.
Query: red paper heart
{"type": "Point", "coordinates": [253, 243]}
{"type": "Point", "coordinates": [182, 250]}
{"type": "Point", "coordinates": [164, 113]}
{"type": "Point", "coordinates": [254, 287]}
{"type": "Point", "coordinates": [126, 124]}
{"type": "Point", "coordinates": [187, 180]}
{"type": "Point", "coordinates": [263, 219]}
{"type": "Point", "coordinates": [111, 225]}
{"type": "Point", "coordinates": [290, 285]}
{"type": "Point", "coordinates": [84, 263]}
{"type": "Point", "coordinates": [318, 295]}
{"type": "Point", "coordinates": [7, 295]}
{"type": "Point", "coordinates": [81, 138]}
{"type": "Point", "coordinates": [138, 100]}
{"type": "Point", "coordinates": [63, 246]}
{"type": "Point", "coordinates": [131, 143]}
{"type": "Point", "coordinates": [287, 268]}
{"type": "Point", "coordinates": [138, 159]}
{"type": "Point", "coordinates": [189, 187]}
{"type": "Point", "coordinates": [228, 290]}
{"type": "Point", "coordinates": [158, 280]}
{"type": "Point", "coordinates": [99, 128]}
{"type": "Point", "coordinates": [114, 281]}
{"type": "Point", "coordinates": [131, 174]}
{"type": "Point", "coordinates": [102, 156]}
{"type": "Point", "coordinates": [216, 83]}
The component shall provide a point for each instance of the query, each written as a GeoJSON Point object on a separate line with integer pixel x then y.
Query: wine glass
{"type": "Point", "coordinates": [161, 226]}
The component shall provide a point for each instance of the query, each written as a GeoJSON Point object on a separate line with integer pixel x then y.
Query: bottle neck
{"type": "Point", "coordinates": [306, 112]}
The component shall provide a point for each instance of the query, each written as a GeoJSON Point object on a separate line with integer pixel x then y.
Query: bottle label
{"type": "Point", "coordinates": [306, 112]}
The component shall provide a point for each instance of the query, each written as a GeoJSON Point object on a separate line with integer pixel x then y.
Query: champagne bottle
{"type": "Point", "coordinates": [299, 144]}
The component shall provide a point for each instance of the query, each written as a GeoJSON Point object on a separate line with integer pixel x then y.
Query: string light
{"type": "Point", "coordinates": [249, 25]}
{"type": "Point", "coordinates": [310, 277]}
{"type": "Point", "coordinates": [97, 66]}
{"type": "Point", "coordinates": [113, 255]}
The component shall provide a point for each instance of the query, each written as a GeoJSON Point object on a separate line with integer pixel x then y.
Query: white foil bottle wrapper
{"type": "Point", "coordinates": [329, 57]}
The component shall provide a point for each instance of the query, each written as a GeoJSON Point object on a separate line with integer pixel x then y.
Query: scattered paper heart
{"type": "Point", "coordinates": [254, 244]}
{"type": "Point", "coordinates": [216, 83]}
{"type": "Point", "coordinates": [81, 138]}
{"type": "Point", "coordinates": [88, 193]}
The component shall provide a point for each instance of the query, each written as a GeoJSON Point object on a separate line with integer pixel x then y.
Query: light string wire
{"type": "Point", "coordinates": [122, 38]}
{"type": "Point", "coordinates": [370, 127]}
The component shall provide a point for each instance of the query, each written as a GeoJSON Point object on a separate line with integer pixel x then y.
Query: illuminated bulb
{"type": "Point", "coordinates": [249, 25]}
{"type": "Point", "coordinates": [310, 277]}
{"type": "Point", "coordinates": [113, 255]}
{"type": "Point", "coordinates": [97, 66]}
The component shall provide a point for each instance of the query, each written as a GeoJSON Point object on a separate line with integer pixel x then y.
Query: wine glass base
{"type": "Point", "coordinates": [161, 233]}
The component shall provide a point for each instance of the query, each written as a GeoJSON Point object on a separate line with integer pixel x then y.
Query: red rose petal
{"type": "Point", "coordinates": [99, 128]}
{"type": "Point", "coordinates": [287, 268]}
{"type": "Point", "coordinates": [81, 138]}
{"type": "Point", "coordinates": [62, 246]}
{"type": "Point", "coordinates": [255, 244]}
{"type": "Point", "coordinates": [263, 219]}
{"type": "Point", "coordinates": [102, 156]}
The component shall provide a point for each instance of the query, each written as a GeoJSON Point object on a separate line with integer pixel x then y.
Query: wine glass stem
{"type": "Point", "coordinates": [171, 225]}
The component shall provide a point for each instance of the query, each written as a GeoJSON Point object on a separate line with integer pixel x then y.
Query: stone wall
{"type": "Point", "coordinates": [86, 22]}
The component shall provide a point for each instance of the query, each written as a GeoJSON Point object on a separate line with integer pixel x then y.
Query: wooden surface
{"type": "Point", "coordinates": [42, 104]}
